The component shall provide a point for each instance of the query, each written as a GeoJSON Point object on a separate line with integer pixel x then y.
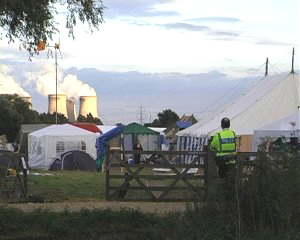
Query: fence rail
{"type": "Point", "coordinates": [161, 176]}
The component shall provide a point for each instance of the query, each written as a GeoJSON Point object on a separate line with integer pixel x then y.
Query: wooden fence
{"type": "Point", "coordinates": [161, 176]}
{"type": "Point", "coordinates": [13, 177]}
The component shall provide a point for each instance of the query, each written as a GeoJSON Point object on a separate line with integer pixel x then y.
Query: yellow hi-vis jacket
{"type": "Point", "coordinates": [224, 143]}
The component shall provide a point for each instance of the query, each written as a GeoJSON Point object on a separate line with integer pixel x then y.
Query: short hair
{"type": "Point", "coordinates": [225, 122]}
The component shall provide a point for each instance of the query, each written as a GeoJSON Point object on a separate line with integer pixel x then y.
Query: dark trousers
{"type": "Point", "coordinates": [223, 168]}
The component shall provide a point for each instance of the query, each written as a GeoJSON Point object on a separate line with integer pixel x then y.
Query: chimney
{"type": "Point", "coordinates": [88, 104]}
{"type": "Point", "coordinates": [61, 104]}
{"type": "Point", "coordinates": [71, 110]}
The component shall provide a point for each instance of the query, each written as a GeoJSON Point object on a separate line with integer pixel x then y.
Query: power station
{"type": "Point", "coordinates": [61, 104]}
{"type": "Point", "coordinates": [87, 104]}
{"type": "Point", "coordinates": [71, 109]}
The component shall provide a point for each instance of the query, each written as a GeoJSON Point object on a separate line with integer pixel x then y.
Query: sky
{"type": "Point", "coordinates": [154, 55]}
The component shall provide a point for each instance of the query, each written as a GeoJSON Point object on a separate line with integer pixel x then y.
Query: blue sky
{"type": "Point", "coordinates": [160, 54]}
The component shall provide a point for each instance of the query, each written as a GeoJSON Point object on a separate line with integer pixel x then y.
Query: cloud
{"type": "Point", "coordinates": [216, 19]}
{"type": "Point", "coordinates": [185, 26]}
{"type": "Point", "coordinates": [44, 82]}
{"type": "Point", "coordinates": [273, 42]}
{"type": "Point", "coordinates": [8, 84]}
{"type": "Point", "coordinates": [137, 8]}
{"type": "Point", "coordinates": [224, 34]}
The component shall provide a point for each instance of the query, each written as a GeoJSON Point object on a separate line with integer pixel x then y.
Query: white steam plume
{"type": "Point", "coordinates": [8, 84]}
{"type": "Point", "coordinates": [69, 84]}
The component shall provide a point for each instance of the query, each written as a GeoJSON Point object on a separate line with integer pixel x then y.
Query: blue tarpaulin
{"type": "Point", "coordinates": [101, 143]}
{"type": "Point", "coordinates": [183, 125]}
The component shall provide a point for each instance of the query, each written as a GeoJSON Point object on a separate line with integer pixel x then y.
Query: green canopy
{"type": "Point", "coordinates": [135, 128]}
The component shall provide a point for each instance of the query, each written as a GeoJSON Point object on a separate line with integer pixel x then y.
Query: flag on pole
{"type": "Point", "coordinates": [41, 46]}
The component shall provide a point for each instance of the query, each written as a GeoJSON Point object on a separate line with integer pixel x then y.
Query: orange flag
{"type": "Point", "coordinates": [41, 46]}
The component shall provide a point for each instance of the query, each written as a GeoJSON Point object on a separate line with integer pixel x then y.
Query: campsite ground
{"type": "Point", "coordinates": [74, 190]}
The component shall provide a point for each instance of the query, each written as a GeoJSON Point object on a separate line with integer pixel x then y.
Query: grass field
{"type": "Point", "coordinates": [67, 185]}
{"type": "Point", "coordinates": [61, 186]}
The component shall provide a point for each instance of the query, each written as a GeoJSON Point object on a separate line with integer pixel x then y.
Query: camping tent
{"type": "Point", "coordinates": [134, 132]}
{"type": "Point", "coordinates": [74, 160]}
{"type": "Point", "coordinates": [287, 127]}
{"type": "Point", "coordinates": [23, 134]}
{"type": "Point", "coordinates": [87, 126]}
{"type": "Point", "coordinates": [272, 98]}
{"type": "Point", "coordinates": [102, 143]}
{"type": "Point", "coordinates": [105, 128]}
{"type": "Point", "coordinates": [45, 145]}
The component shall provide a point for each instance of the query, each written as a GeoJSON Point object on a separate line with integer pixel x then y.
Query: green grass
{"type": "Point", "coordinates": [67, 186]}
{"type": "Point", "coordinates": [64, 186]}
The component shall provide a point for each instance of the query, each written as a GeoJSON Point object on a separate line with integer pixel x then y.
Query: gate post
{"type": "Point", "coordinates": [107, 175]}
{"type": "Point", "coordinates": [211, 168]}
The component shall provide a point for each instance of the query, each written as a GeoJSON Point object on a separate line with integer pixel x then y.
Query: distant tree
{"type": "Point", "coordinates": [165, 118]}
{"type": "Point", "coordinates": [48, 118]}
{"type": "Point", "coordinates": [29, 21]}
{"type": "Point", "coordinates": [14, 111]}
{"type": "Point", "coordinates": [89, 119]}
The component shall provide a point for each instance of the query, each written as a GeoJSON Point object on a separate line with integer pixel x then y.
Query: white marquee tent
{"type": "Point", "coordinates": [271, 99]}
{"type": "Point", "coordinates": [48, 143]}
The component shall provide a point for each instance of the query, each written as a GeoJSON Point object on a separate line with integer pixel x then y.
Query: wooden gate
{"type": "Point", "coordinates": [159, 177]}
{"type": "Point", "coordinates": [162, 177]}
{"type": "Point", "coordinates": [13, 177]}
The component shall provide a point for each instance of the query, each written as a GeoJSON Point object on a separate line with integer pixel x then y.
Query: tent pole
{"type": "Point", "coordinates": [267, 67]}
{"type": "Point", "coordinates": [293, 72]}
{"type": "Point", "coordinates": [293, 56]}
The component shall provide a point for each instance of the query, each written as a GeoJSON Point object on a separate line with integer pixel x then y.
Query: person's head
{"type": "Point", "coordinates": [225, 123]}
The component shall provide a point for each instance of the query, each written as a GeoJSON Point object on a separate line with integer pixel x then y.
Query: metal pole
{"type": "Point", "coordinates": [55, 86]}
{"type": "Point", "coordinates": [293, 71]}
{"type": "Point", "coordinates": [267, 67]}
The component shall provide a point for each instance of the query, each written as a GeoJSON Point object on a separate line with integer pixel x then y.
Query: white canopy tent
{"type": "Point", "coordinates": [287, 127]}
{"type": "Point", "coordinates": [271, 99]}
{"type": "Point", "coordinates": [45, 145]}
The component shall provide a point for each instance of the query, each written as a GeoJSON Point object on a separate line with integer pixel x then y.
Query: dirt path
{"type": "Point", "coordinates": [160, 208]}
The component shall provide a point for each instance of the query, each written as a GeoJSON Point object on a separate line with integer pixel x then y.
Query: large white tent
{"type": "Point", "coordinates": [45, 145]}
{"type": "Point", "coordinates": [271, 99]}
{"type": "Point", "coordinates": [287, 127]}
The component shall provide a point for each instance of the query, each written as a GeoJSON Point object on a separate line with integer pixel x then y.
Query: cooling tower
{"type": "Point", "coordinates": [71, 110]}
{"type": "Point", "coordinates": [28, 99]}
{"type": "Point", "coordinates": [88, 104]}
{"type": "Point", "coordinates": [61, 104]}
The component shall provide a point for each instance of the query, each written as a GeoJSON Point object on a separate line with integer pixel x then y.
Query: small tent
{"type": "Point", "coordinates": [286, 128]}
{"type": "Point", "coordinates": [74, 160]}
{"type": "Point", "coordinates": [102, 143]}
{"type": "Point", "coordinates": [45, 145]}
{"type": "Point", "coordinates": [148, 138]}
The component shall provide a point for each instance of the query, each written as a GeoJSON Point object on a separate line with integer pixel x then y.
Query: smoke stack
{"type": "Point", "coordinates": [29, 100]}
{"type": "Point", "coordinates": [61, 104]}
{"type": "Point", "coordinates": [88, 104]}
{"type": "Point", "coordinates": [71, 109]}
